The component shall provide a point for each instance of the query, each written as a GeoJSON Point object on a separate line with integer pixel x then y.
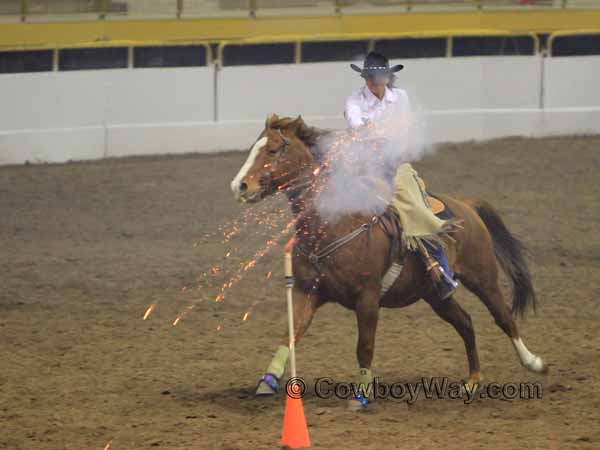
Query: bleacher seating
{"type": "Point", "coordinates": [196, 8]}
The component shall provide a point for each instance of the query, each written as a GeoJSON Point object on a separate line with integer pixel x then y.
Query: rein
{"type": "Point", "coordinates": [315, 257]}
{"type": "Point", "coordinates": [299, 187]}
{"type": "Point", "coordinates": [266, 181]}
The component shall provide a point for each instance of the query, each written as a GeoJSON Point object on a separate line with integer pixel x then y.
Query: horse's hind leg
{"type": "Point", "coordinates": [490, 294]}
{"type": "Point", "coordinates": [305, 306]}
{"type": "Point", "coordinates": [454, 314]}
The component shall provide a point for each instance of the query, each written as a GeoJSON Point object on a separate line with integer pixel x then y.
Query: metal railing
{"type": "Point", "coordinates": [371, 39]}
{"type": "Point", "coordinates": [103, 9]}
{"type": "Point", "coordinates": [214, 53]}
{"type": "Point", "coordinates": [130, 45]}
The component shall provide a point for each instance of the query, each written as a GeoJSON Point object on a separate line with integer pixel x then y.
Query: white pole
{"type": "Point", "coordinates": [289, 284]}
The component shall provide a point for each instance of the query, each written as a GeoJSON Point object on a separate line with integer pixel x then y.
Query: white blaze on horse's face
{"type": "Point", "coordinates": [237, 185]}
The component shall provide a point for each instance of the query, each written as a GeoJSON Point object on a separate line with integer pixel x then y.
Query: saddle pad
{"type": "Point", "coordinates": [439, 208]}
{"type": "Point", "coordinates": [435, 204]}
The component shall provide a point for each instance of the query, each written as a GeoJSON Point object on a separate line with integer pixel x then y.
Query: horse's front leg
{"type": "Point", "coordinates": [367, 315]}
{"type": "Point", "coordinates": [305, 306]}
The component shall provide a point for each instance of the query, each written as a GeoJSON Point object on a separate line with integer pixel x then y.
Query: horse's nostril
{"type": "Point", "coordinates": [243, 187]}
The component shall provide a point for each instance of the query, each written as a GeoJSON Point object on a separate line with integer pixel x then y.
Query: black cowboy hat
{"type": "Point", "coordinates": [376, 64]}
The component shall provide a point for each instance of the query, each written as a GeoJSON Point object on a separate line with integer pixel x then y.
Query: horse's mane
{"type": "Point", "coordinates": [310, 136]}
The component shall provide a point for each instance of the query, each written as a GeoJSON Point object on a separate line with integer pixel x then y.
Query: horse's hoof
{"type": "Point", "coordinates": [469, 388]}
{"type": "Point", "coordinates": [475, 382]}
{"type": "Point", "coordinates": [358, 403]}
{"type": "Point", "coordinates": [537, 365]}
{"type": "Point", "coordinates": [267, 385]}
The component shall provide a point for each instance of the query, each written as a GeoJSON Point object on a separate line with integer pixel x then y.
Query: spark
{"type": "Point", "coordinates": [247, 314]}
{"type": "Point", "coordinates": [269, 274]}
{"type": "Point", "coordinates": [149, 310]}
{"type": "Point", "coordinates": [264, 215]}
{"type": "Point", "coordinates": [219, 327]}
{"type": "Point", "coordinates": [252, 262]}
{"type": "Point", "coordinates": [185, 313]}
{"type": "Point", "coordinates": [108, 445]}
{"type": "Point", "coordinates": [243, 268]}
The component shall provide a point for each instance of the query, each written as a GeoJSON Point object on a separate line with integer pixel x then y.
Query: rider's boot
{"type": "Point", "coordinates": [440, 271]}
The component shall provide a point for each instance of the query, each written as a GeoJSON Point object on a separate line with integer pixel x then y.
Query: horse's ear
{"type": "Point", "coordinates": [297, 126]}
{"type": "Point", "coordinates": [271, 118]}
{"type": "Point", "coordinates": [300, 122]}
{"type": "Point", "coordinates": [302, 131]}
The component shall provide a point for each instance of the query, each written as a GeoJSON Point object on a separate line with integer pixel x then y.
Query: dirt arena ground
{"type": "Point", "coordinates": [87, 247]}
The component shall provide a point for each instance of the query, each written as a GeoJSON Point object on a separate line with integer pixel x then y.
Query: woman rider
{"type": "Point", "coordinates": [421, 228]}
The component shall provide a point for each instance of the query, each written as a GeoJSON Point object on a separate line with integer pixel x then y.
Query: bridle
{"type": "Point", "coordinates": [267, 180]}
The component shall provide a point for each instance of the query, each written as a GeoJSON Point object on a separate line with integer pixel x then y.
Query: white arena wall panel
{"type": "Point", "coordinates": [319, 89]}
{"type": "Point", "coordinates": [52, 145]}
{"type": "Point", "coordinates": [61, 116]}
{"type": "Point", "coordinates": [309, 89]}
{"type": "Point", "coordinates": [159, 96]}
{"type": "Point", "coordinates": [466, 83]}
{"type": "Point", "coordinates": [572, 82]}
{"type": "Point", "coordinates": [58, 116]}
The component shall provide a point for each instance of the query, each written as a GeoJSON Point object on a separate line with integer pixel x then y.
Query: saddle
{"type": "Point", "coordinates": [438, 207]}
{"type": "Point", "coordinates": [392, 227]}
{"type": "Point", "coordinates": [381, 188]}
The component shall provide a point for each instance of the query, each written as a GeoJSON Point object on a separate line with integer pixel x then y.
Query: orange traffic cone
{"type": "Point", "coordinates": [295, 431]}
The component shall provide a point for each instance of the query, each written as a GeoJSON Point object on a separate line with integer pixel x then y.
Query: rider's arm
{"type": "Point", "coordinates": [353, 113]}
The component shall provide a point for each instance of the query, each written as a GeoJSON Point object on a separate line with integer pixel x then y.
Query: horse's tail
{"type": "Point", "coordinates": [511, 254]}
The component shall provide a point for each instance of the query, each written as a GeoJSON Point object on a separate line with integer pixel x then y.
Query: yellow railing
{"type": "Point", "coordinates": [67, 32]}
{"type": "Point", "coordinates": [298, 39]}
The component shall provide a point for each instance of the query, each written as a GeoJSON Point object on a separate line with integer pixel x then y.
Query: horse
{"type": "Point", "coordinates": [283, 159]}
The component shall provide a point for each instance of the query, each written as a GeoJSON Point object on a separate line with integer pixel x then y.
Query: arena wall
{"type": "Point", "coordinates": [60, 116]}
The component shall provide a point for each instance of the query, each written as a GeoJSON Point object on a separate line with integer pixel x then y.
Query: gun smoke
{"type": "Point", "coordinates": [359, 162]}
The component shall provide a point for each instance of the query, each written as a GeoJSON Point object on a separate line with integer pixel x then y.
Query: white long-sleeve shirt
{"type": "Point", "coordinates": [363, 106]}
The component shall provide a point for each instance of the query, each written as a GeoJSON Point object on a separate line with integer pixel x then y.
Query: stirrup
{"type": "Point", "coordinates": [446, 286]}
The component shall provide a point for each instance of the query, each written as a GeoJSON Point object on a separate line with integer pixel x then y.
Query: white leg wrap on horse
{"type": "Point", "coordinates": [366, 376]}
{"type": "Point", "coordinates": [528, 359]}
{"type": "Point", "coordinates": [279, 361]}
{"type": "Point", "coordinates": [366, 382]}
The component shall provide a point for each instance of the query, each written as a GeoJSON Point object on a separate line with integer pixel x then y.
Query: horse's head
{"type": "Point", "coordinates": [278, 158]}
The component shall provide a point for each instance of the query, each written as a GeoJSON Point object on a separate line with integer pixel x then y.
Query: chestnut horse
{"type": "Point", "coordinates": [283, 159]}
